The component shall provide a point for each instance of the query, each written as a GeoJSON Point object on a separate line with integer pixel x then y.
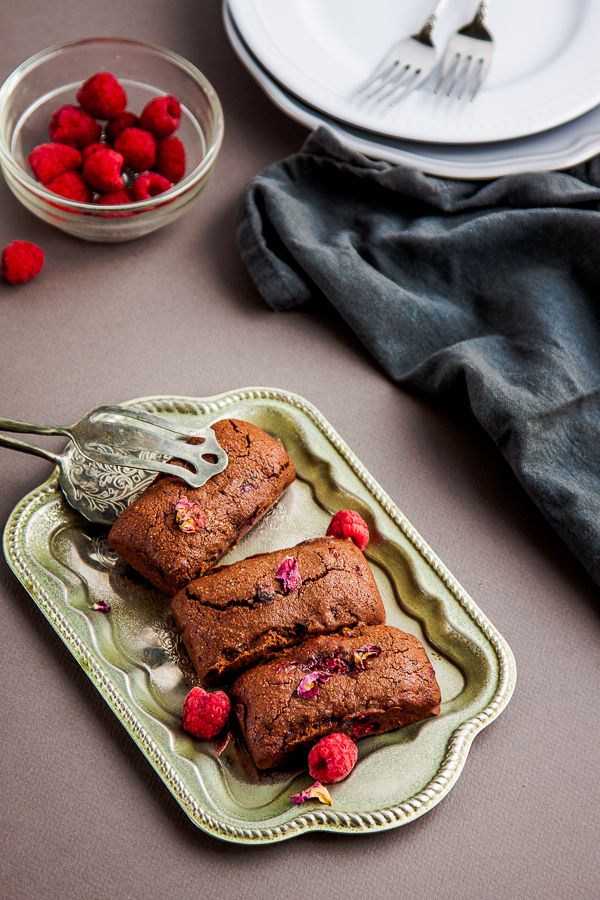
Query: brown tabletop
{"type": "Point", "coordinates": [82, 813]}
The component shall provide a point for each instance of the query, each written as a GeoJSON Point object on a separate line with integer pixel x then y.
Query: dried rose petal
{"type": "Point", "coordinates": [289, 574]}
{"type": "Point", "coordinates": [222, 741]}
{"type": "Point", "coordinates": [316, 791]}
{"type": "Point", "coordinates": [309, 686]}
{"type": "Point", "coordinates": [189, 516]}
{"type": "Point", "coordinates": [101, 606]}
{"type": "Point", "coordinates": [362, 654]}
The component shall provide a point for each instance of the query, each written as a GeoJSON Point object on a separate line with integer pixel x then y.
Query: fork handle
{"type": "Point", "coordinates": [28, 428]}
{"type": "Point", "coordinates": [14, 444]}
{"type": "Point", "coordinates": [481, 13]}
{"type": "Point", "coordinates": [426, 31]}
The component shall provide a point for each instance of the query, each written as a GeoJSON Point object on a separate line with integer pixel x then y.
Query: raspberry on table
{"type": "Point", "coordinates": [332, 758]}
{"type": "Point", "coordinates": [72, 186]}
{"type": "Point", "coordinates": [348, 524]}
{"type": "Point", "coordinates": [204, 714]}
{"type": "Point", "coordinates": [21, 261]}
{"type": "Point", "coordinates": [119, 124]}
{"type": "Point", "coordinates": [137, 147]}
{"type": "Point", "coordinates": [102, 95]}
{"type": "Point", "coordinates": [102, 170]}
{"type": "Point", "coordinates": [161, 116]}
{"type": "Point", "coordinates": [149, 184]}
{"type": "Point", "coordinates": [170, 158]}
{"type": "Point", "coordinates": [48, 161]}
{"type": "Point", "coordinates": [73, 125]}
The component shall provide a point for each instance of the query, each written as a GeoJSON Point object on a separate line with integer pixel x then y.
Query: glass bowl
{"type": "Point", "coordinates": [52, 77]}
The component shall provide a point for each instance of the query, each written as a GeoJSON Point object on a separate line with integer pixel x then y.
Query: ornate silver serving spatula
{"type": "Point", "coordinates": [113, 453]}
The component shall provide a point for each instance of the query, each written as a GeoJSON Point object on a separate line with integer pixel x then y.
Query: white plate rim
{"type": "Point", "coordinates": [303, 87]}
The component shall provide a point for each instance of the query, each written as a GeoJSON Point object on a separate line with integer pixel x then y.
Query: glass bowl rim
{"type": "Point", "coordinates": [177, 190]}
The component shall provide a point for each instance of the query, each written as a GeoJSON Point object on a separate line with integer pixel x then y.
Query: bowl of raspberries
{"type": "Point", "coordinates": [108, 139]}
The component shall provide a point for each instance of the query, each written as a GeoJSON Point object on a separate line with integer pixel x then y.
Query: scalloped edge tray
{"type": "Point", "coordinates": [51, 595]}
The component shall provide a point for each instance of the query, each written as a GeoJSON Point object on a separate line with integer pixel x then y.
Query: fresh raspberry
{"type": "Point", "coordinates": [170, 158]}
{"type": "Point", "coordinates": [119, 124]}
{"type": "Point", "coordinates": [48, 161]}
{"type": "Point", "coordinates": [91, 148]}
{"type": "Point", "coordinates": [348, 524]}
{"type": "Point", "coordinates": [149, 185]}
{"type": "Point", "coordinates": [21, 261]}
{"type": "Point", "coordinates": [74, 126]}
{"type": "Point", "coordinates": [103, 96]}
{"type": "Point", "coordinates": [204, 714]}
{"type": "Point", "coordinates": [161, 116]}
{"type": "Point", "coordinates": [112, 199]}
{"type": "Point", "coordinates": [72, 186]}
{"type": "Point", "coordinates": [332, 758]}
{"type": "Point", "coordinates": [137, 147]}
{"type": "Point", "coordinates": [102, 170]}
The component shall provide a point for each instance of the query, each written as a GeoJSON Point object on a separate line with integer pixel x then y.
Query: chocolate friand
{"type": "Point", "coordinates": [243, 613]}
{"type": "Point", "coordinates": [172, 533]}
{"type": "Point", "coordinates": [374, 680]}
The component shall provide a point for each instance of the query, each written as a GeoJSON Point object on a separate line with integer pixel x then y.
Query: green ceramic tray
{"type": "Point", "coordinates": [134, 658]}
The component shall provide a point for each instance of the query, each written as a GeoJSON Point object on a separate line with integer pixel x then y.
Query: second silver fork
{"type": "Point", "coordinates": [467, 58]}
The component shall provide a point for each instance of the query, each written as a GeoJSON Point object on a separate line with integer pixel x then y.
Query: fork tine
{"type": "Point", "coordinates": [381, 72]}
{"type": "Point", "coordinates": [461, 78]}
{"type": "Point", "coordinates": [391, 85]}
{"type": "Point", "coordinates": [448, 66]}
{"type": "Point", "coordinates": [391, 74]}
{"type": "Point", "coordinates": [478, 77]}
{"type": "Point", "coordinates": [405, 88]}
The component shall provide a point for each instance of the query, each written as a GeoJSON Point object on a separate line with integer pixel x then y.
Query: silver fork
{"type": "Point", "coordinates": [467, 58]}
{"type": "Point", "coordinates": [407, 64]}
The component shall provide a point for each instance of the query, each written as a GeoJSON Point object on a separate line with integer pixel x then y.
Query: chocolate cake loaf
{"type": "Point", "coordinates": [373, 680]}
{"type": "Point", "coordinates": [173, 533]}
{"type": "Point", "coordinates": [240, 614]}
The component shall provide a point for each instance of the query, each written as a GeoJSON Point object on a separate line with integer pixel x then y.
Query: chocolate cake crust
{"type": "Point", "coordinates": [240, 614]}
{"type": "Point", "coordinates": [148, 537]}
{"type": "Point", "coordinates": [384, 680]}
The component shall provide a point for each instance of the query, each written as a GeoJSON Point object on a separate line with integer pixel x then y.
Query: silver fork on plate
{"type": "Point", "coordinates": [467, 58]}
{"type": "Point", "coordinates": [407, 64]}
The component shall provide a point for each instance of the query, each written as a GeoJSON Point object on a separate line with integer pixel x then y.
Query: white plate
{"type": "Point", "coordinates": [556, 149]}
{"type": "Point", "coordinates": [546, 67]}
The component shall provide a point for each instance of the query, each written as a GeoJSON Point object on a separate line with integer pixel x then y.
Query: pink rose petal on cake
{"type": "Point", "coordinates": [309, 685]}
{"type": "Point", "coordinates": [189, 516]}
{"type": "Point", "coordinates": [316, 791]}
{"type": "Point", "coordinates": [289, 574]}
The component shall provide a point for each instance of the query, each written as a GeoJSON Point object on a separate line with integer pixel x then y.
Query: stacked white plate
{"type": "Point", "coordinates": [538, 109]}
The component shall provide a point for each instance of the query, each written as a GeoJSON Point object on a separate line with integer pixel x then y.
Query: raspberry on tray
{"type": "Point", "coordinates": [204, 714]}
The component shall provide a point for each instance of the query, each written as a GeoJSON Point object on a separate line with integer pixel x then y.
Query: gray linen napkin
{"type": "Point", "coordinates": [489, 290]}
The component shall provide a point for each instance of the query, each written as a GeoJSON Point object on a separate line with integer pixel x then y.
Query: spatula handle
{"type": "Point", "coordinates": [28, 428]}
{"type": "Point", "coordinates": [15, 444]}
